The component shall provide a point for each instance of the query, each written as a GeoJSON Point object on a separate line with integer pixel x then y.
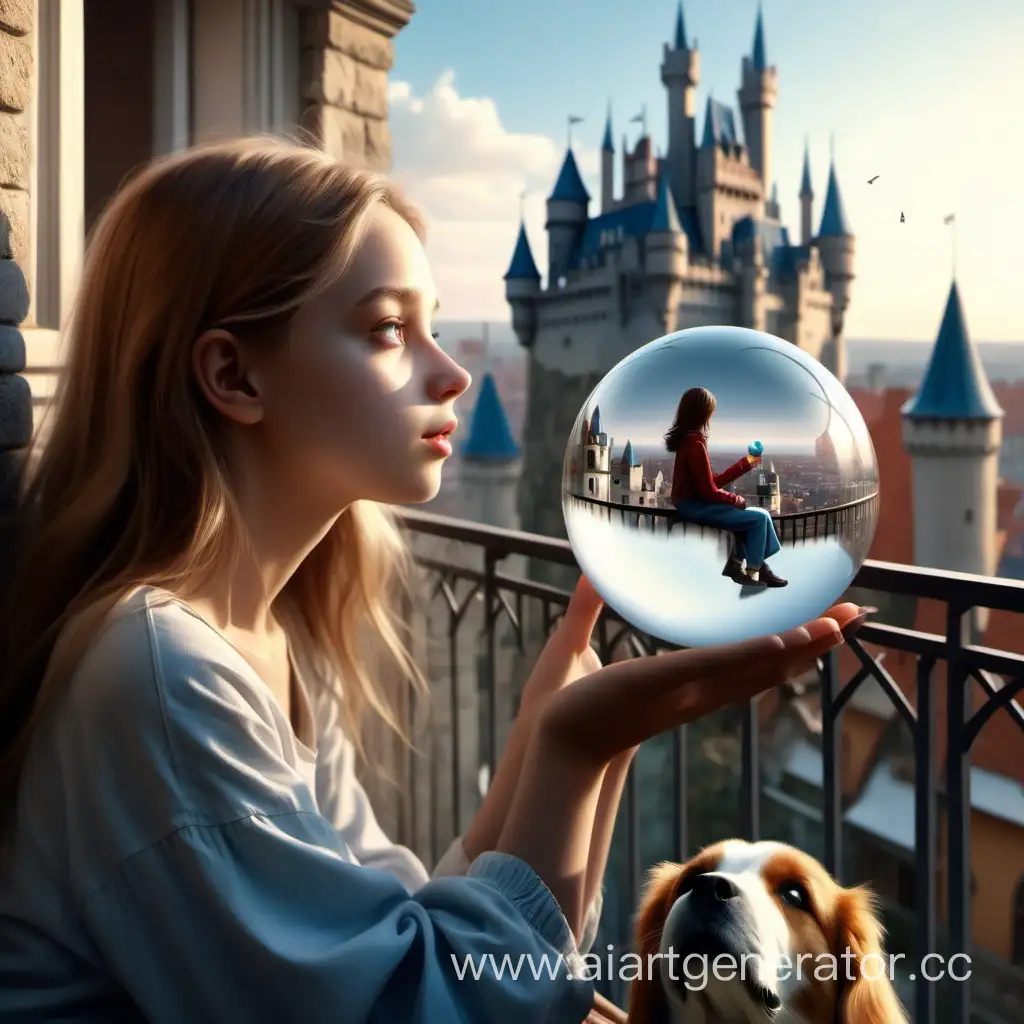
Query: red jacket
{"type": "Point", "coordinates": [692, 477]}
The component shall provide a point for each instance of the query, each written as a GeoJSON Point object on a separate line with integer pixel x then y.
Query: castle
{"type": "Point", "coordinates": [695, 238]}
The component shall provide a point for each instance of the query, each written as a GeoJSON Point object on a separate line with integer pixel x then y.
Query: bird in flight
{"type": "Point", "coordinates": [871, 181]}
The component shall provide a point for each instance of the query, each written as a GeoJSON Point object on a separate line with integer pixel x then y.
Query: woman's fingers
{"type": "Point", "coordinates": [581, 614]}
{"type": "Point", "coordinates": [628, 702]}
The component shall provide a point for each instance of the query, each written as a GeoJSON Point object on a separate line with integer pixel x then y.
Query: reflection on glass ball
{"type": "Point", "coordinates": [719, 483]}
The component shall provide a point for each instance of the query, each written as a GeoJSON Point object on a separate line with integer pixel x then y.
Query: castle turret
{"type": "Point", "coordinates": [680, 74]}
{"type": "Point", "coordinates": [806, 199]}
{"type": "Point", "coordinates": [522, 286]}
{"type": "Point", "coordinates": [667, 256]}
{"type": "Point", "coordinates": [596, 459]}
{"type": "Point", "coordinates": [952, 430]}
{"type": "Point", "coordinates": [489, 464]}
{"type": "Point", "coordinates": [835, 244]}
{"type": "Point", "coordinates": [608, 166]}
{"type": "Point", "coordinates": [757, 96]}
{"type": "Point", "coordinates": [567, 218]}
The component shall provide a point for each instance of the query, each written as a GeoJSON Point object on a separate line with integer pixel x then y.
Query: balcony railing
{"type": "Point", "coordinates": [460, 555]}
{"type": "Point", "coordinates": [849, 518]}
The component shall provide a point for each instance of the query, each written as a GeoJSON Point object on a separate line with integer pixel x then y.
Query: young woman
{"type": "Point", "coordinates": [699, 496]}
{"type": "Point", "coordinates": [205, 573]}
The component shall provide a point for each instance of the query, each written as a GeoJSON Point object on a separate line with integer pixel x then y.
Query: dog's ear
{"type": "Point", "coordinates": [647, 1003]}
{"type": "Point", "coordinates": [866, 994]}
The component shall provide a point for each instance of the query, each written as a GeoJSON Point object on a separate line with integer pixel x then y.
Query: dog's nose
{"type": "Point", "coordinates": [715, 888]}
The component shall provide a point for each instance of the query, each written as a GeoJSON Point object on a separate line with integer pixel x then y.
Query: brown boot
{"type": "Point", "coordinates": [768, 578]}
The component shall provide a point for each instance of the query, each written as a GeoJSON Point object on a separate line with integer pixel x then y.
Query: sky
{"type": "Point", "coordinates": [927, 94]}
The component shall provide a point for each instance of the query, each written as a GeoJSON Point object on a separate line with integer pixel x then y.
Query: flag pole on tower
{"type": "Point", "coordinates": [950, 219]}
{"type": "Point", "coordinates": [573, 119]}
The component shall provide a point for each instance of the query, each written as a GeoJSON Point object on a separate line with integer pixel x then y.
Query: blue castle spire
{"type": "Point", "coordinates": [522, 266]}
{"type": "Point", "coordinates": [629, 455]}
{"type": "Point", "coordinates": [833, 217]}
{"type": "Point", "coordinates": [759, 58]}
{"type": "Point", "coordinates": [680, 39]}
{"type": "Point", "coordinates": [490, 437]}
{"type": "Point", "coordinates": [569, 187]}
{"type": "Point", "coordinates": [607, 145]}
{"type": "Point", "coordinates": [665, 216]}
{"type": "Point", "coordinates": [805, 181]}
{"type": "Point", "coordinates": [955, 385]}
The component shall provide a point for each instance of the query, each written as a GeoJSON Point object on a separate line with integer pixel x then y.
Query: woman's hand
{"type": "Point", "coordinates": [613, 710]}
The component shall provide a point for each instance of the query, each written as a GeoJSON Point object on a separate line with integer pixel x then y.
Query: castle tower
{"type": "Point", "coordinates": [490, 463]}
{"type": "Point", "coordinates": [608, 166]}
{"type": "Point", "coordinates": [567, 217]}
{"type": "Point", "coordinates": [667, 257]}
{"type": "Point", "coordinates": [522, 286]}
{"type": "Point", "coordinates": [630, 478]}
{"type": "Point", "coordinates": [806, 199]}
{"type": "Point", "coordinates": [769, 494]}
{"type": "Point", "coordinates": [757, 96]}
{"type": "Point", "coordinates": [680, 74]}
{"type": "Point", "coordinates": [952, 430]}
{"type": "Point", "coordinates": [835, 244]}
{"type": "Point", "coordinates": [596, 457]}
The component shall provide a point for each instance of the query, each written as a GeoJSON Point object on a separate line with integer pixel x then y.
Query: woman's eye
{"type": "Point", "coordinates": [390, 331]}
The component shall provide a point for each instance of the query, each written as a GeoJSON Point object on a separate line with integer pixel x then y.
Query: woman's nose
{"type": "Point", "coordinates": [448, 381]}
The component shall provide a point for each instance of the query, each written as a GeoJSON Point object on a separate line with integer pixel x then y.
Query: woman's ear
{"type": "Point", "coordinates": [647, 1001]}
{"type": "Point", "coordinates": [866, 994]}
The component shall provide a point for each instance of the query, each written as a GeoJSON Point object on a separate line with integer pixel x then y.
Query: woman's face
{"type": "Point", "coordinates": [361, 401]}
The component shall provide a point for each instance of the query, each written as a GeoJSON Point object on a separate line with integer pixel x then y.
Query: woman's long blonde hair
{"type": "Point", "coordinates": [131, 486]}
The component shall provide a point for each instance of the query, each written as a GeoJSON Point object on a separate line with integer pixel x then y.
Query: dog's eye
{"type": "Point", "coordinates": [795, 895]}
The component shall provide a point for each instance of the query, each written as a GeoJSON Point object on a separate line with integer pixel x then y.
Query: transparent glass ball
{"type": "Point", "coordinates": [683, 570]}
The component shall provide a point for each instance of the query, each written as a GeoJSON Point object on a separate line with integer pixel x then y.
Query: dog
{"type": "Point", "coordinates": [758, 933]}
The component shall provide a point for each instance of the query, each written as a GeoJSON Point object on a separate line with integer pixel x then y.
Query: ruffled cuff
{"type": "Point", "coordinates": [455, 862]}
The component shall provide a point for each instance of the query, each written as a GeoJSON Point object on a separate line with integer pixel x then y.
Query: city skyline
{"type": "Point", "coordinates": [468, 140]}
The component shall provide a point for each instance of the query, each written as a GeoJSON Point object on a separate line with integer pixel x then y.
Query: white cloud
{"type": "Point", "coordinates": [466, 172]}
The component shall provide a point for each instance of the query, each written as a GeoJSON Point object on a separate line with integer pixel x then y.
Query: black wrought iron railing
{"type": "Point", "coordinates": [1000, 674]}
{"type": "Point", "coordinates": [790, 527]}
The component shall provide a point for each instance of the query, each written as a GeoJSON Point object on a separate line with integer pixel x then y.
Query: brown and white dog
{"type": "Point", "coordinates": [758, 933]}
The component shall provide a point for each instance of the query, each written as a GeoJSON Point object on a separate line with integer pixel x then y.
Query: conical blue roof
{"type": "Point", "coordinates": [665, 216]}
{"type": "Point", "coordinates": [490, 438]}
{"type": "Point", "coordinates": [833, 217]}
{"type": "Point", "coordinates": [595, 421]}
{"type": "Point", "coordinates": [758, 58]}
{"type": "Point", "coordinates": [680, 39]}
{"type": "Point", "coordinates": [629, 456]}
{"type": "Point", "coordinates": [570, 187]}
{"type": "Point", "coordinates": [955, 384]}
{"type": "Point", "coordinates": [607, 145]}
{"type": "Point", "coordinates": [522, 266]}
{"type": "Point", "coordinates": [805, 181]}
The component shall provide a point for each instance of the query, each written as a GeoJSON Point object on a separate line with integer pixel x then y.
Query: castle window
{"type": "Point", "coordinates": [591, 463]}
{"type": "Point", "coordinates": [590, 484]}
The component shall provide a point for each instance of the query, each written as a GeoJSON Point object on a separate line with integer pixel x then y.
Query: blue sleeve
{"type": "Point", "coordinates": [261, 919]}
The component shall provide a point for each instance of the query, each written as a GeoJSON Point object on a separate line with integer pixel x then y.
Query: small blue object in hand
{"type": "Point", "coordinates": [755, 449]}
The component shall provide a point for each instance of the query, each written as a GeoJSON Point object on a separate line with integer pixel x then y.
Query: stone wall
{"type": "Point", "coordinates": [16, 61]}
{"type": "Point", "coordinates": [346, 56]}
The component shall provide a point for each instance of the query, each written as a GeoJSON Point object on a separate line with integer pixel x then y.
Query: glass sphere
{"type": "Point", "coordinates": [660, 533]}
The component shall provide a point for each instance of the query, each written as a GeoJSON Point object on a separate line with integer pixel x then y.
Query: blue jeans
{"type": "Point", "coordinates": [753, 527]}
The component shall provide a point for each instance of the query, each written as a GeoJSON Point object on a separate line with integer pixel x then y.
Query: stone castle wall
{"type": "Point", "coordinates": [346, 57]}
{"type": "Point", "coordinates": [16, 65]}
